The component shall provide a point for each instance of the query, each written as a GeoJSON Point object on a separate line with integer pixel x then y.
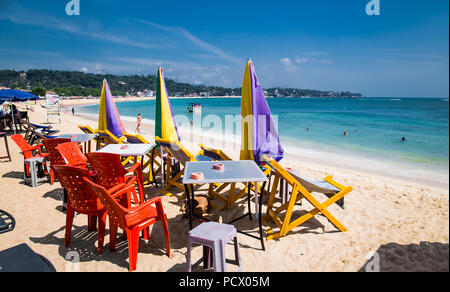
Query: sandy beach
{"type": "Point", "coordinates": [406, 224]}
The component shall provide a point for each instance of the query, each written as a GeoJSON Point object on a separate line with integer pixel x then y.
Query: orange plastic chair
{"type": "Point", "coordinates": [81, 200]}
{"type": "Point", "coordinates": [27, 150]}
{"type": "Point", "coordinates": [72, 154]}
{"type": "Point", "coordinates": [55, 157]}
{"type": "Point", "coordinates": [131, 220]}
{"type": "Point", "coordinates": [111, 172]}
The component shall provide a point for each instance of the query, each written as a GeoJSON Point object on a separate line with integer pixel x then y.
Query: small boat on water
{"type": "Point", "coordinates": [194, 107]}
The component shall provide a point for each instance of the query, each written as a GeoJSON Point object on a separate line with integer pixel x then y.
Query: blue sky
{"type": "Point", "coordinates": [322, 44]}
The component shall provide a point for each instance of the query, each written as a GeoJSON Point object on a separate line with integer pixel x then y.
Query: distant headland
{"type": "Point", "coordinates": [74, 83]}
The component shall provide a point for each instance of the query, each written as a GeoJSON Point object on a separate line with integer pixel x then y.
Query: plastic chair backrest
{"type": "Point", "coordinates": [22, 144]}
{"type": "Point", "coordinates": [177, 150]}
{"type": "Point", "coordinates": [50, 147]}
{"type": "Point", "coordinates": [81, 197]}
{"type": "Point", "coordinates": [108, 167]}
{"type": "Point", "coordinates": [71, 153]}
{"type": "Point", "coordinates": [115, 211]}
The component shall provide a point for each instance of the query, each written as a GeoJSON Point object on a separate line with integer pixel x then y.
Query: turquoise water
{"type": "Point", "coordinates": [381, 124]}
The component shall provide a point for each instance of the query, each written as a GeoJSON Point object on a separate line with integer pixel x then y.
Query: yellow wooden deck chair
{"type": "Point", "coordinates": [299, 191]}
{"type": "Point", "coordinates": [105, 137]}
{"type": "Point", "coordinates": [216, 190]}
{"type": "Point", "coordinates": [152, 157]}
{"type": "Point", "coordinates": [176, 150]}
{"type": "Point", "coordinates": [86, 129]}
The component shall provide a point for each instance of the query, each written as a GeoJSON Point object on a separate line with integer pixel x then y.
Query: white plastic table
{"type": "Point", "coordinates": [135, 150]}
{"type": "Point", "coordinates": [79, 138]}
{"type": "Point", "coordinates": [243, 171]}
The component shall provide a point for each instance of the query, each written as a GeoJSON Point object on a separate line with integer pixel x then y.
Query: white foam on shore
{"type": "Point", "coordinates": [353, 161]}
{"type": "Point", "coordinates": [348, 160]}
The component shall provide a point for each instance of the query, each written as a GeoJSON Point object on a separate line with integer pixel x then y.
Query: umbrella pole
{"type": "Point", "coordinates": [12, 115]}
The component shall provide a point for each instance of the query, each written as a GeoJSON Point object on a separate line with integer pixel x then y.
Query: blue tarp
{"type": "Point", "coordinates": [16, 95]}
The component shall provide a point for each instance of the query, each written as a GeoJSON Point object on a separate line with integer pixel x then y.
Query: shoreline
{"type": "Point", "coordinates": [289, 158]}
{"type": "Point", "coordinates": [88, 102]}
{"type": "Point", "coordinates": [295, 159]}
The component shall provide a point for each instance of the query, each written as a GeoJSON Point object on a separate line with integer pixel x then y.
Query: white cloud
{"type": "Point", "coordinates": [288, 66]}
{"type": "Point", "coordinates": [304, 60]}
{"type": "Point", "coordinates": [186, 71]}
{"type": "Point", "coordinates": [84, 70]}
{"type": "Point", "coordinates": [189, 36]}
{"type": "Point", "coordinates": [21, 15]}
{"type": "Point", "coordinates": [301, 60]}
{"type": "Point", "coordinates": [324, 61]}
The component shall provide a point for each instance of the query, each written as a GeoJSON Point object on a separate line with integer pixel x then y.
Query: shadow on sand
{"type": "Point", "coordinates": [423, 257]}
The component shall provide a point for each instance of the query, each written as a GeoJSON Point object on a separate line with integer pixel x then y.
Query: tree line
{"type": "Point", "coordinates": [73, 83]}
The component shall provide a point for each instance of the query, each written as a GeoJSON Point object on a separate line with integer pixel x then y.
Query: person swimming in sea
{"type": "Point", "coordinates": [403, 139]}
{"type": "Point", "coordinates": [345, 133]}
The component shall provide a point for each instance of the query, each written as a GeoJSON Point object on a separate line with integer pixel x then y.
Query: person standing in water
{"type": "Point", "coordinates": [139, 121]}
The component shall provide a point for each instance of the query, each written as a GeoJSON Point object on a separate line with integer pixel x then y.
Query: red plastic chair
{"type": "Point", "coordinates": [27, 150]}
{"type": "Point", "coordinates": [81, 200]}
{"type": "Point", "coordinates": [132, 220]}
{"type": "Point", "coordinates": [55, 157]}
{"type": "Point", "coordinates": [111, 172]}
{"type": "Point", "coordinates": [72, 154]}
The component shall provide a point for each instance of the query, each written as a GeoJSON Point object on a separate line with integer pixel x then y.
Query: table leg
{"type": "Point", "coordinates": [152, 169]}
{"type": "Point", "coordinates": [65, 200]}
{"type": "Point", "coordinates": [260, 216]}
{"type": "Point", "coordinates": [249, 201]}
{"type": "Point", "coordinates": [7, 148]}
{"type": "Point", "coordinates": [256, 201]}
{"type": "Point", "coordinates": [188, 195]}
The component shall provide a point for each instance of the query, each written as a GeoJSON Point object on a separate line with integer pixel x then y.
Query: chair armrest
{"type": "Point", "coordinates": [135, 167]}
{"type": "Point", "coordinates": [144, 211]}
{"type": "Point", "coordinates": [145, 204]}
{"type": "Point", "coordinates": [80, 164]}
{"type": "Point", "coordinates": [35, 147]}
{"type": "Point", "coordinates": [119, 190]}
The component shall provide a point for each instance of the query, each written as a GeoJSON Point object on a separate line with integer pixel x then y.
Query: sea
{"type": "Point", "coordinates": [313, 129]}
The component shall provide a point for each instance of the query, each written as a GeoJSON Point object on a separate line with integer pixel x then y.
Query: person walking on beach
{"type": "Point", "coordinates": [139, 121]}
{"type": "Point", "coordinates": [73, 111]}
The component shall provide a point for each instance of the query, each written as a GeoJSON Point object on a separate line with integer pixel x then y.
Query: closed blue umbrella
{"type": "Point", "coordinates": [13, 95]}
{"type": "Point", "coordinates": [16, 95]}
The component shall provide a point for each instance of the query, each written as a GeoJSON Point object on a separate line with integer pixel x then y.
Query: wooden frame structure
{"type": "Point", "coordinates": [299, 192]}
